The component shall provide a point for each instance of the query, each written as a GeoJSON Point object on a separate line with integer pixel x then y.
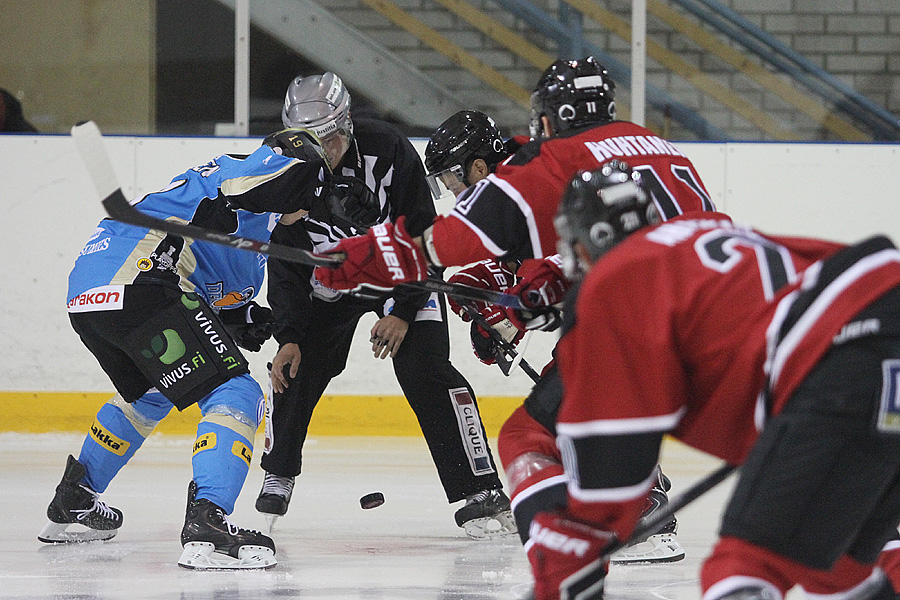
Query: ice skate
{"type": "Point", "coordinates": [274, 498]}
{"type": "Point", "coordinates": [76, 513]}
{"type": "Point", "coordinates": [211, 541]}
{"type": "Point", "coordinates": [662, 546]}
{"type": "Point", "coordinates": [486, 515]}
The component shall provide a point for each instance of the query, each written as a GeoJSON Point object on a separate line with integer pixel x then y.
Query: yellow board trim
{"type": "Point", "coordinates": [43, 412]}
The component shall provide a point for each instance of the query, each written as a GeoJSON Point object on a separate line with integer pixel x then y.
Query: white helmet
{"type": "Point", "coordinates": [320, 103]}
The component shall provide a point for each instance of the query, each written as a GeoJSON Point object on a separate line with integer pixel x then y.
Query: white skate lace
{"type": "Point", "coordinates": [100, 507]}
{"type": "Point", "coordinates": [478, 497]}
{"type": "Point", "coordinates": [280, 486]}
{"type": "Point", "coordinates": [234, 529]}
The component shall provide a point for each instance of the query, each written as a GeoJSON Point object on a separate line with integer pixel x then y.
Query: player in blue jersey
{"type": "Point", "coordinates": [164, 316]}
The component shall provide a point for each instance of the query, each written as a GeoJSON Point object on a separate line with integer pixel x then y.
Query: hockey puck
{"type": "Point", "coordinates": [372, 500]}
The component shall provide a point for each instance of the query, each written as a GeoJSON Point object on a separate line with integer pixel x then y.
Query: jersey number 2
{"type": "Point", "coordinates": [718, 250]}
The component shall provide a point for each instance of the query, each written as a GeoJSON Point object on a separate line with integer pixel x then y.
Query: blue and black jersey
{"type": "Point", "coordinates": [244, 195]}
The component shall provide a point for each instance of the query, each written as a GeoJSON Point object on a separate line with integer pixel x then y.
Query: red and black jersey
{"type": "Point", "coordinates": [675, 331]}
{"type": "Point", "coordinates": [510, 213]}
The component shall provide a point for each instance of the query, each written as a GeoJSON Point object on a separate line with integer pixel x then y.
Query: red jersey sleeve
{"type": "Point", "coordinates": [625, 387]}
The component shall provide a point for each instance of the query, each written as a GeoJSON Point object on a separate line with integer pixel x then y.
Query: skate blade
{"type": "Point", "coordinates": [270, 523]}
{"type": "Point", "coordinates": [489, 528]}
{"type": "Point", "coordinates": [60, 533]}
{"type": "Point", "coordinates": [202, 556]}
{"type": "Point", "coordinates": [659, 548]}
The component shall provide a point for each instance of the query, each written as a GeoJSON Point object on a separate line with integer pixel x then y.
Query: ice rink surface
{"type": "Point", "coordinates": [327, 546]}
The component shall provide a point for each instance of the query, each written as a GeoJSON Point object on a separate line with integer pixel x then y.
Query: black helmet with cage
{"type": "Point", "coordinates": [572, 93]}
{"type": "Point", "coordinates": [454, 146]}
{"type": "Point", "coordinates": [321, 103]}
{"type": "Point", "coordinates": [599, 209]}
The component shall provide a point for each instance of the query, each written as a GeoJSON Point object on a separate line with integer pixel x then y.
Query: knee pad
{"type": "Point", "coordinates": [240, 398]}
{"type": "Point", "coordinates": [875, 587]}
{"type": "Point", "coordinates": [540, 486]}
{"type": "Point", "coordinates": [889, 562]}
{"type": "Point", "coordinates": [117, 432]}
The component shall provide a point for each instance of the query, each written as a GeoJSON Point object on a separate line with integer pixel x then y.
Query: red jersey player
{"type": "Point", "coordinates": [780, 354]}
{"type": "Point", "coordinates": [462, 151]}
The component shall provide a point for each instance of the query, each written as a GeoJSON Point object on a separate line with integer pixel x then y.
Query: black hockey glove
{"type": "Point", "coordinates": [352, 203]}
{"type": "Point", "coordinates": [250, 325]}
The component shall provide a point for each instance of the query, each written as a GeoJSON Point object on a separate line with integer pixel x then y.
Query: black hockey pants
{"type": "Point", "coordinates": [822, 481]}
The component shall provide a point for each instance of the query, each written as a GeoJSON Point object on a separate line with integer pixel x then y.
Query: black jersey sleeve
{"type": "Point", "coordinates": [414, 201]}
{"type": "Point", "coordinates": [289, 286]}
{"type": "Point", "coordinates": [398, 170]}
{"type": "Point", "coordinates": [287, 191]}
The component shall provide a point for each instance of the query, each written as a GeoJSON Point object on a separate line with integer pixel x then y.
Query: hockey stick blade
{"type": "Point", "coordinates": [89, 142]}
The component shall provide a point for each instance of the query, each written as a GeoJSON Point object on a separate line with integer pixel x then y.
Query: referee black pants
{"type": "Point", "coordinates": [432, 386]}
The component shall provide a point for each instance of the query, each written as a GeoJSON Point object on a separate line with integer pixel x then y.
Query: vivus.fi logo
{"type": "Point", "coordinates": [166, 346]}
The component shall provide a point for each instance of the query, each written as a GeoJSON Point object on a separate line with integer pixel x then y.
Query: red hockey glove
{"type": "Point", "coordinates": [542, 285]}
{"type": "Point", "coordinates": [541, 282]}
{"type": "Point", "coordinates": [383, 258]}
{"type": "Point", "coordinates": [565, 558]}
{"type": "Point", "coordinates": [488, 274]}
{"type": "Point", "coordinates": [483, 343]}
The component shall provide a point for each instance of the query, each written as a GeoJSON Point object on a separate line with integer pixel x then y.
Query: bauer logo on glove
{"type": "Point", "coordinates": [389, 254]}
{"type": "Point", "coordinates": [565, 558]}
{"type": "Point", "coordinates": [383, 258]}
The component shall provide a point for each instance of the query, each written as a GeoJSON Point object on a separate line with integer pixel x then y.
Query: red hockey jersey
{"type": "Point", "coordinates": [675, 330]}
{"type": "Point", "coordinates": [510, 214]}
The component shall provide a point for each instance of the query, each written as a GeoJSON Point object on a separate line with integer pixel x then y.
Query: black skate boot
{"type": "Point", "coordinates": [274, 497]}
{"type": "Point", "coordinates": [211, 541]}
{"type": "Point", "coordinates": [662, 546]}
{"type": "Point", "coordinates": [77, 506]}
{"type": "Point", "coordinates": [486, 515]}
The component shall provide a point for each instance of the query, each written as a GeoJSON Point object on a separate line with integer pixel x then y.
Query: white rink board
{"type": "Point", "coordinates": [841, 191]}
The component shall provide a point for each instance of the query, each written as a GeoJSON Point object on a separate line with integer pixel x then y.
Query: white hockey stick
{"type": "Point", "coordinates": [520, 357]}
{"type": "Point", "coordinates": [89, 142]}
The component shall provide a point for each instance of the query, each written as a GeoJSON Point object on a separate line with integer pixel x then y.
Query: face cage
{"type": "Point", "coordinates": [451, 180]}
{"type": "Point", "coordinates": [336, 145]}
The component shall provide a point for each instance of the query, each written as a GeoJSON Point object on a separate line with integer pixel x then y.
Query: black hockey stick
{"type": "Point", "coordinates": [89, 143]}
{"type": "Point", "coordinates": [505, 351]}
{"type": "Point", "coordinates": [659, 519]}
